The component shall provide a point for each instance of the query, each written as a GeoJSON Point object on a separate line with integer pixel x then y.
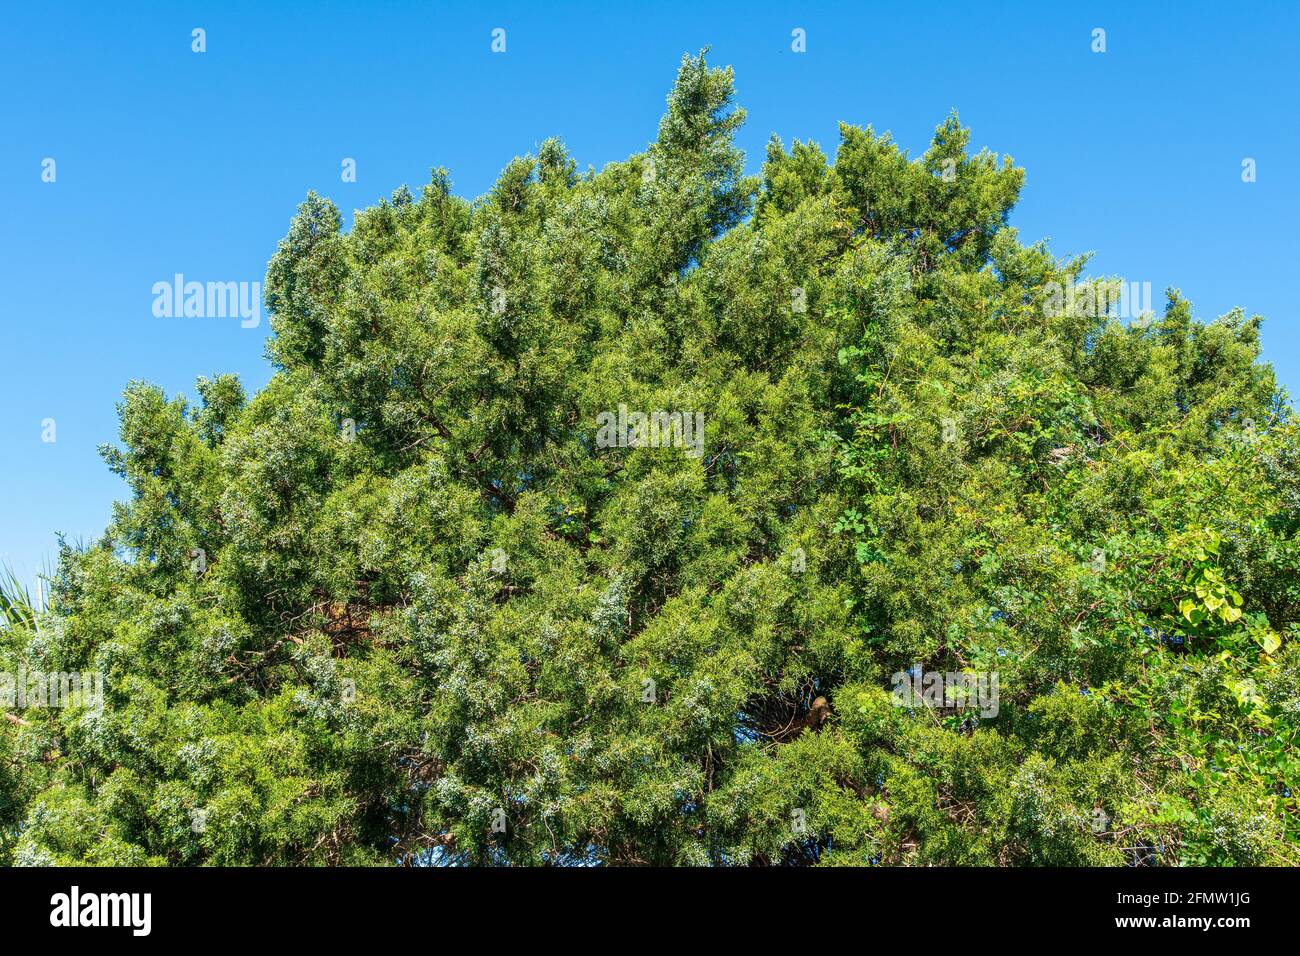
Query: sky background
{"type": "Point", "coordinates": [170, 161]}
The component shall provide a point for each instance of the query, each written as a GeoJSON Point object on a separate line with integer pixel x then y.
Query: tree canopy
{"type": "Point", "coordinates": [403, 606]}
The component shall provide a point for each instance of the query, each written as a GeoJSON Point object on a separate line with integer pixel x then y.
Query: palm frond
{"type": "Point", "coordinates": [16, 605]}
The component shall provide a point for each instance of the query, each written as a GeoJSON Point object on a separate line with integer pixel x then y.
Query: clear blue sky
{"type": "Point", "coordinates": [170, 161]}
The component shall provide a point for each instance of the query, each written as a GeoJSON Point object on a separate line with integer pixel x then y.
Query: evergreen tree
{"type": "Point", "coordinates": [406, 605]}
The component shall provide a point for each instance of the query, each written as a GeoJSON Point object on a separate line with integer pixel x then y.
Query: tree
{"type": "Point", "coordinates": [412, 603]}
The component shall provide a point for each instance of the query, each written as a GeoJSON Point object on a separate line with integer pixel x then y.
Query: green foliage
{"type": "Point", "coordinates": [17, 609]}
{"type": "Point", "coordinates": [403, 607]}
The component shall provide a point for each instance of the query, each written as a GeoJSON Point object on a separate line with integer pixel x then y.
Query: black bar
{"type": "Point", "coordinates": [300, 905]}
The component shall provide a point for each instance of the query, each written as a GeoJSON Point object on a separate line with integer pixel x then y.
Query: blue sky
{"type": "Point", "coordinates": [171, 161]}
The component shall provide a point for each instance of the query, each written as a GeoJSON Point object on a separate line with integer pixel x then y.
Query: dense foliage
{"type": "Point", "coordinates": [402, 606]}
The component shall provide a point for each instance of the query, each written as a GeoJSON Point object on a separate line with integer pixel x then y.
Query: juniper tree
{"type": "Point", "coordinates": [402, 606]}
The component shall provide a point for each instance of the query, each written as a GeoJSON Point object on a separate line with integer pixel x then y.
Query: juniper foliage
{"type": "Point", "coordinates": [402, 607]}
